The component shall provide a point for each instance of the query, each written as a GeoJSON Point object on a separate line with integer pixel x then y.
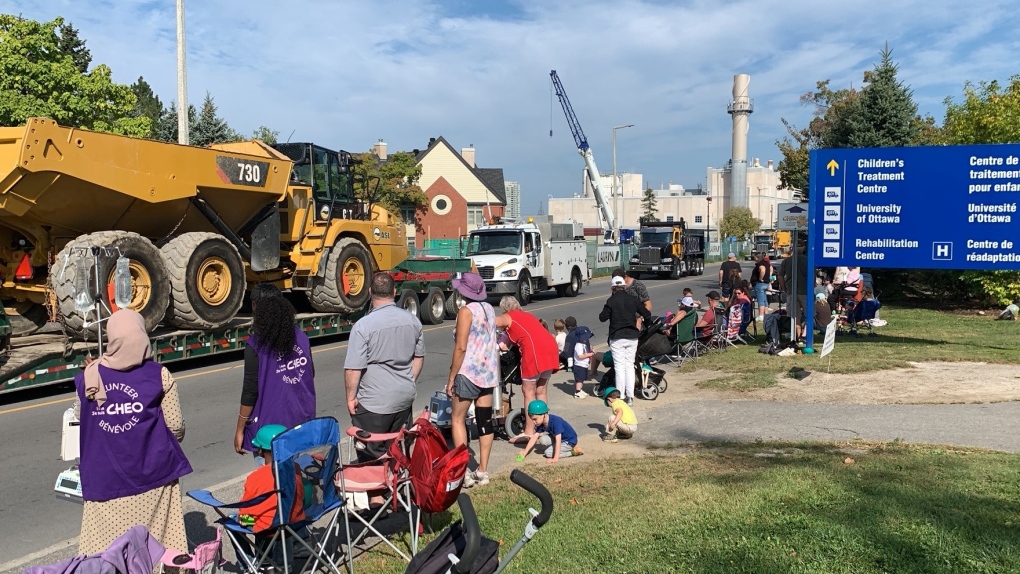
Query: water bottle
{"type": "Point", "coordinates": [122, 283]}
{"type": "Point", "coordinates": [83, 302]}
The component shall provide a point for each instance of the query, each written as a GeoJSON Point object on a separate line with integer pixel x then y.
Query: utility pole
{"type": "Point", "coordinates": [616, 204]}
{"type": "Point", "coordinates": [182, 79]}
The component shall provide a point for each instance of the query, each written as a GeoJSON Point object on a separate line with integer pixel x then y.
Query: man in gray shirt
{"type": "Point", "coordinates": [385, 354]}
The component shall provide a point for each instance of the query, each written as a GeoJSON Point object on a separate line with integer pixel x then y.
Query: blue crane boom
{"type": "Point", "coordinates": [589, 160]}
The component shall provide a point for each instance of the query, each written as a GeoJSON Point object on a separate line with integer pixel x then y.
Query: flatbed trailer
{"type": "Point", "coordinates": [50, 359]}
{"type": "Point", "coordinates": [41, 360]}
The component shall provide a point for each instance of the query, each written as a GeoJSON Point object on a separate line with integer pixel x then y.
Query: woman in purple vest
{"type": "Point", "coordinates": [279, 386]}
{"type": "Point", "coordinates": [131, 428]}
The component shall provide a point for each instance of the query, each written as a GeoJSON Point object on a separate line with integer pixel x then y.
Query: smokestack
{"type": "Point", "coordinates": [739, 109]}
{"type": "Point", "coordinates": [468, 153]}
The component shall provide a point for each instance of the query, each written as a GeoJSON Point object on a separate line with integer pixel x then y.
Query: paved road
{"type": "Point", "coordinates": [32, 520]}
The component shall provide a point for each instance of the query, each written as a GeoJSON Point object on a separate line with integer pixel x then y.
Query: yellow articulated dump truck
{"type": "Point", "coordinates": [197, 226]}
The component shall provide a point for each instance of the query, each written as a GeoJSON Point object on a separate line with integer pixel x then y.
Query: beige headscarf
{"type": "Point", "coordinates": [127, 347]}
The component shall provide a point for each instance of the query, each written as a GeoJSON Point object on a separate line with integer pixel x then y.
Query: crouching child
{"type": "Point", "coordinates": [623, 422]}
{"type": "Point", "coordinates": [552, 432]}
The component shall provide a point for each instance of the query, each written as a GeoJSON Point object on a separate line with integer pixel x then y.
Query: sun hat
{"type": "Point", "coordinates": [607, 392]}
{"type": "Point", "coordinates": [618, 282]}
{"type": "Point", "coordinates": [264, 438]}
{"type": "Point", "coordinates": [471, 286]}
{"type": "Point", "coordinates": [537, 407]}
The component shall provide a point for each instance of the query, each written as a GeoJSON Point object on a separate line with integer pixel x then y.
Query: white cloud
{"type": "Point", "coordinates": [348, 73]}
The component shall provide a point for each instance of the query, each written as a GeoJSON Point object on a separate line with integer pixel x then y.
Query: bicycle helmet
{"type": "Point", "coordinates": [264, 438]}
{"type": "Point", "coordinates": [537, 407]}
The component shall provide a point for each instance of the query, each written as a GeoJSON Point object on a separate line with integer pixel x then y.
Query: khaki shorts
{"type": "Point", "coordinates": [542, 375]}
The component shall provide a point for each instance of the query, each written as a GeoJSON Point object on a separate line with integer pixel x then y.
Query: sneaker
{"type": "Point", "coordinates": [574, 451]}
{"type": "Point", "coordinates": [469, 479]}
{"type": "Point", "coordinates": [580, 395]}
{"type": "Point", "coordinates": [481, 478]}
{"type": "Point", "coordinates": [630, 401]}
{"type": "Point", "coordinates": [760, 318]}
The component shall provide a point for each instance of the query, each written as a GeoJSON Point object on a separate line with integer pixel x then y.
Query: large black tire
{"type": "Point", "coordinates": [349, 259]}
{"type": "Point", "coordinates": [408, 301]}
{"type": "Point", "coordinates": [524, 288]}
{"type": "Point", "coordinates": [453, 304]}
{"type": "Point", "coordinates": [574, 287]}
{"type": "Point", "coordinates": [206, 278]}
{"type": "Point", "coordinates": [25, 317]}
{"type": "Point", "coordinates": [675, 271]}
{"type": "Point", "coordinates": [150, 282]}
{"type": "Point", "coordinates": [433, 308]}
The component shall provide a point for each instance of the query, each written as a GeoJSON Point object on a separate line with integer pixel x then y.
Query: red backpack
{"type": "Point", "coordinates": [437, 473]}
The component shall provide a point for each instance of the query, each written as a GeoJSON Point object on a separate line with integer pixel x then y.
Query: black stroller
{"type": "Point", "coordinates": [462, 548]}
{"type": "Point", "coordinates": [508, 420]}
{"type": "Point", "coordinates": [650, 381]}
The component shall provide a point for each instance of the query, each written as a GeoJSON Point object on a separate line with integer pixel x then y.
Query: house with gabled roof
{"type": "Point", "coordinates": [461, 195]}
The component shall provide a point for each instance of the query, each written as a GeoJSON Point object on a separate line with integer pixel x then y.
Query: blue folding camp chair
{"type": "Point", "coordinates": [859, 316]}
{"type": "Point", "coordinates": [304, 461]}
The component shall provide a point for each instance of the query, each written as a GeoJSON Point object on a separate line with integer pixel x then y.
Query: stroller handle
{"type": "Point", "coordinates": [472, 534]}
{"type": "Point", "coordinates": [540, 492]}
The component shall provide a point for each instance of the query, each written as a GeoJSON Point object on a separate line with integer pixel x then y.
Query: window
{"type": "Point", "coordinates": [697, 219]}
{"type": "Point", "coordinates": [669, 218]}
{"type": "Point", "coordinates": [407, 214]}
{"type": "Point", "coordinates": [474, 216]}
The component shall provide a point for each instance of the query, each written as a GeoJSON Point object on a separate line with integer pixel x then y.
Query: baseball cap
{"type": "Point", "coordinates": [617, 282]}
{"type": "Point", "coordinates": [713, 295]}
{"type": "Point", "coordinates": [687, 301]}
{"type": "Point", "coordinates": [820, 296]}
{"type": "Point", "coordinates": [732, 254]}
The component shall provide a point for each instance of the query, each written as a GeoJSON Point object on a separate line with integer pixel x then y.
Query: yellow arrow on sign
{"type": "Point", "coordinates": [832, 166]}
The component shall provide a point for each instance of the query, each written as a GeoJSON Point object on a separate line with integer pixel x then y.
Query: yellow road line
{"type": "Point", "coordinates": [25, 408]}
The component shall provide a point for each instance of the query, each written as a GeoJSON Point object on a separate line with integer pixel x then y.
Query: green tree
{"type": "Point", "coordinates": [166, 130]}
{"type": "Point", "coordinates": [71, 44]}
{"type": "Point", "coordinates": [989, 113]}
{"type": "Point", "coordinates": [147, 104]}
{"type": "Point", "coordinates": [885, 115]}
{"type": "Point", "coordinates": [392, 184]}
{"type": "Point", "coordinates": [739, 221]}
{"type": "Point", "coordinates": [210, 127]}
{"type": "Point", "coordinates": [266, 134]}
{"type": "Point", "coordinates": [39, 79]}
{"type": "Point", "coordinates": [649, 207]}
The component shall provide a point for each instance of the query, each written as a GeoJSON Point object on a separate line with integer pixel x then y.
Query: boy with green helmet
{"type": "Point", "coordinates": [552, 432]}
{"type": "Point", "coordinates": [261, 480]}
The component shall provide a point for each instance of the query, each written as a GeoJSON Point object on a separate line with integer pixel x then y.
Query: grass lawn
{"type": "Point", "coordinates": [765, 507]}
{"type": "Point", "coordinates": [911, 335]}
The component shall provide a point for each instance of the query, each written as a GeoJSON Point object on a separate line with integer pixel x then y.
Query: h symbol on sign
{"type": "Point", "coordinates": [942, 251]}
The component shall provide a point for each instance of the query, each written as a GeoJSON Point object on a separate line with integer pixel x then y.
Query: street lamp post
{"type": "Point", "coordinates": [616, 204]}
{"type": "Point", "coordinates": [708, 212]}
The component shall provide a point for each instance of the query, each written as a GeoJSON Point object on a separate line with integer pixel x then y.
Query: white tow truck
{"type": "Point", "coordinates": [523, 258]}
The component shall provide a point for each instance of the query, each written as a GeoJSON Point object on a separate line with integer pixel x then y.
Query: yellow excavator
{"type": "Point", "coordinates": [196, 225]}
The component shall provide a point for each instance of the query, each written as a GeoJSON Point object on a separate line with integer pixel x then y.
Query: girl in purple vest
{"type": "Point", "coordinates": [279, 386]}
{"type": "Point", "coordinates": [131, 428]}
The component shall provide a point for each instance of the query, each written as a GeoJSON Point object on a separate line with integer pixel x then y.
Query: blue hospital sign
{"type": "Point", "coordinates": [951, 207]}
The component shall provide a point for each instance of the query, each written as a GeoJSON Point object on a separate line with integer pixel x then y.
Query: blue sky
{"type": "Point", "coordinates": [347, 73]}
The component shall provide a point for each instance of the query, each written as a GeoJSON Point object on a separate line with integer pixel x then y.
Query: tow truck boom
{"type": "Point", "coordinates": [589, 160]}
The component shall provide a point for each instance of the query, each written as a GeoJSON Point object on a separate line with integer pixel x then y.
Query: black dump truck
{"type": "Point", "coordinates": [669, 249]}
